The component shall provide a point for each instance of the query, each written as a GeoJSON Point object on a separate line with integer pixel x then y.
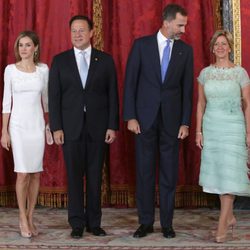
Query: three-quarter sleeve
{"type": "Point", "coordinates": [7, 93]}
{"type": "Point", "coordinates": [45, 73]}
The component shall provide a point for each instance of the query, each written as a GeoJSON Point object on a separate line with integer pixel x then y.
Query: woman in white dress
{"type": "Point", "coordinates": [23, 126]}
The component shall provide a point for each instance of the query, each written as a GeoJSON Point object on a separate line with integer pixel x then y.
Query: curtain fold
{"type": "Point", "coordinates": [117, 24]}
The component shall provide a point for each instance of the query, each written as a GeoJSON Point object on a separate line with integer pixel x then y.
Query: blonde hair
{"type": "Point", "coordinates": [224, 33]}
{"type": "Point", "coordinates": [35, 39]}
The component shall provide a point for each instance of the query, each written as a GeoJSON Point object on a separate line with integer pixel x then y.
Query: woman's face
{"type": "Point", "coordinates": [26, 48]}
{"type": "Point", "coordinates": [221, 47]}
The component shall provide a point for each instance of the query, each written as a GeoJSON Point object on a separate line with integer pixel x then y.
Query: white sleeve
{"type": "Point", "coordinates": [45, 72]}
{"type": "Point", "coordinates": [7, 93]}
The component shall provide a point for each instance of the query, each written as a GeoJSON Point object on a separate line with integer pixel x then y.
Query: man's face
{"type": "Point", "coordinates": [176, 27]}
{"type": "Point", "coordinates": [80, 34]}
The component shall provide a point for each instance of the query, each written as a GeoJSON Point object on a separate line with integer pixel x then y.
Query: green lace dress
{"type": "Point", "coordinates": [224, 155]}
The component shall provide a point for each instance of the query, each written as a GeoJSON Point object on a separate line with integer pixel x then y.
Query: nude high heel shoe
{"type": "Point", "coordinates": [23, 232]}
{"type": "Point", "coordinates": [34, 230]}
{"type": "Point", "coordinates": [221, 238]}
{"type": "Point", "coordinates": [224, 237]}
{"type": "Point", "coordinates": [232, 224]}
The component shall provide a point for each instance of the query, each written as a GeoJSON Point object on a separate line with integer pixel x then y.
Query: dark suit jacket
{"type": "Point", "coordinates": [67, 97]}
{"type": "Point", "coordinates": [144, 92]}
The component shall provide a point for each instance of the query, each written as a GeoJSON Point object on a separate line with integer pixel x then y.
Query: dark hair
{"type": "Point", "coordinates": [35, 39]}
{"type": "Point", "coordinates": [79, 17]}
{"type": "Point", "coordinates": [170, 11]}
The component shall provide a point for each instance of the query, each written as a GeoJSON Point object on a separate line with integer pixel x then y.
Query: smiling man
{"type": "Point", "coordinates": [83, 105]}
{"type": "Point", "coordinates": [157, 107]}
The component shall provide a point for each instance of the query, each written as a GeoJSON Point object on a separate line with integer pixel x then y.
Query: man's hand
{"type": "Point", "coordinates": [183, 132]}
{"type": "Point", "coordinates": [110, 136]}
{"type": "Point", "coordinates": [58, 137]}
{"type": "Point", "coordinates": [133, 126]}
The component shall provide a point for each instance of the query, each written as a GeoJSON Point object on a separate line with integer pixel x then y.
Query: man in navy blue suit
{"type": "Point", "coordinates": [157, 107]}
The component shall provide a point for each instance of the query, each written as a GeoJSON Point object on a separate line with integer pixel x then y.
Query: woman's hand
{"type": "Point", "coordinates": [248, 140]}
{"type": "Point", "coordinates": [5, 141]}
{"type": "Point", "coordinates": [199, 140]}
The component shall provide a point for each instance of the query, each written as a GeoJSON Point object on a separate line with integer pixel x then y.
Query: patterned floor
{"type": "Point", "coordinates": [192, 227]}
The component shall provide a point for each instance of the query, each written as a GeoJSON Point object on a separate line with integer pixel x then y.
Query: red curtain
{"type": "Point", "coordinates": [245, 40]}
{"type": "Point", "coordinates": [123, 21]}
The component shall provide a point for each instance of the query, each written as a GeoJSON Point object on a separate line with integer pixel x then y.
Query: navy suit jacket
{"type": "Point", "coordinates": [144, 91]}
{"type": "Point", "coordinates": [67, 97]}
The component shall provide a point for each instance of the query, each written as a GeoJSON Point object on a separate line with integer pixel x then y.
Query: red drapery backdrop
{"type": "Point", "coordinates": [245, 40]}
{"type": "Point", "coordinates": [122, 22]}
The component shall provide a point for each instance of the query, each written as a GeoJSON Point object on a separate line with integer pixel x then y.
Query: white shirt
{"type": "Point", "coordinates": [161, 40]}
{"type": "Point", "coordinates": [78, 55]}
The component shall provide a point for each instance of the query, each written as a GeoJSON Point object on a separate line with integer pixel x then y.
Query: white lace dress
{"type": "Point", "coordinates": [24, 94]}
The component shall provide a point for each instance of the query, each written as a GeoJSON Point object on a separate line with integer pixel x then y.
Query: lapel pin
{"type": "Point", "coordinates": [96, 59]}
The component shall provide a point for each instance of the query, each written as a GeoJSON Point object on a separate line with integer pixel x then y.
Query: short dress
{"type": "Point", "coordinates": [25, 98]}
{"type": "Point", "coordinates": [224, 167]}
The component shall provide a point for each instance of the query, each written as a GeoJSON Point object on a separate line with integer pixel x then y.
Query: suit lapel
{"type": "Point", "coordinates": [94, 60]}
{"type": "Point", "coordinates": [74, 69]}
{"type": "Point", "coordinates": [176, 55]}
{"type": "Point", "coordinates": [155, 58]}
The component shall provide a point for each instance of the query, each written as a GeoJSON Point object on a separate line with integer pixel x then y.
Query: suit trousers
{"type": "Point", "coordinates": [84, 158]}
{"type": "Point", "coordinates": [152, 146]}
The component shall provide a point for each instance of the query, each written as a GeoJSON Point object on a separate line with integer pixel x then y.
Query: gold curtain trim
{"type": "Point", "coordinates": [237, 31]}
{"type": "Point", "coordinates": [97, 19]}
{"type": "Point", "coordinates": [119, 196]}
{"type": "Point", "coordinates": [217, 14]}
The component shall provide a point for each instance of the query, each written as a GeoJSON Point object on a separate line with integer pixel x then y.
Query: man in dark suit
{"type": "Point", "coordinates": [83, 104]}
{"type": "Point", "coordinates": [157, 106]}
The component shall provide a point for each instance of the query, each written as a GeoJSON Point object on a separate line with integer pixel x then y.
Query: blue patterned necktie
{"type": "Point", "coordinates": [83, 68]}
{"type": "Point", "coordinates": [165, 60]}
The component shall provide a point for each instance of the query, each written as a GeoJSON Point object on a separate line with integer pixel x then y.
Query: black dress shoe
{"type": "Point", "coordinates": [97, 231]}
{"type": "Point", "coordinates": [143, 230]}
{"type": "Point", "coordinates": [77, 233]}
{"type": "Point", "coordinates": [168, 232]}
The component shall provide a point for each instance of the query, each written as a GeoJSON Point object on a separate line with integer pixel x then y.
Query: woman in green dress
{"type": "Point", "coordinates": [223, 130]}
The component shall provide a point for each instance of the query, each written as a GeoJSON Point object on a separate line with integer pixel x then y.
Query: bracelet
{"type": "Point", "coordinates": [199, 133]}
